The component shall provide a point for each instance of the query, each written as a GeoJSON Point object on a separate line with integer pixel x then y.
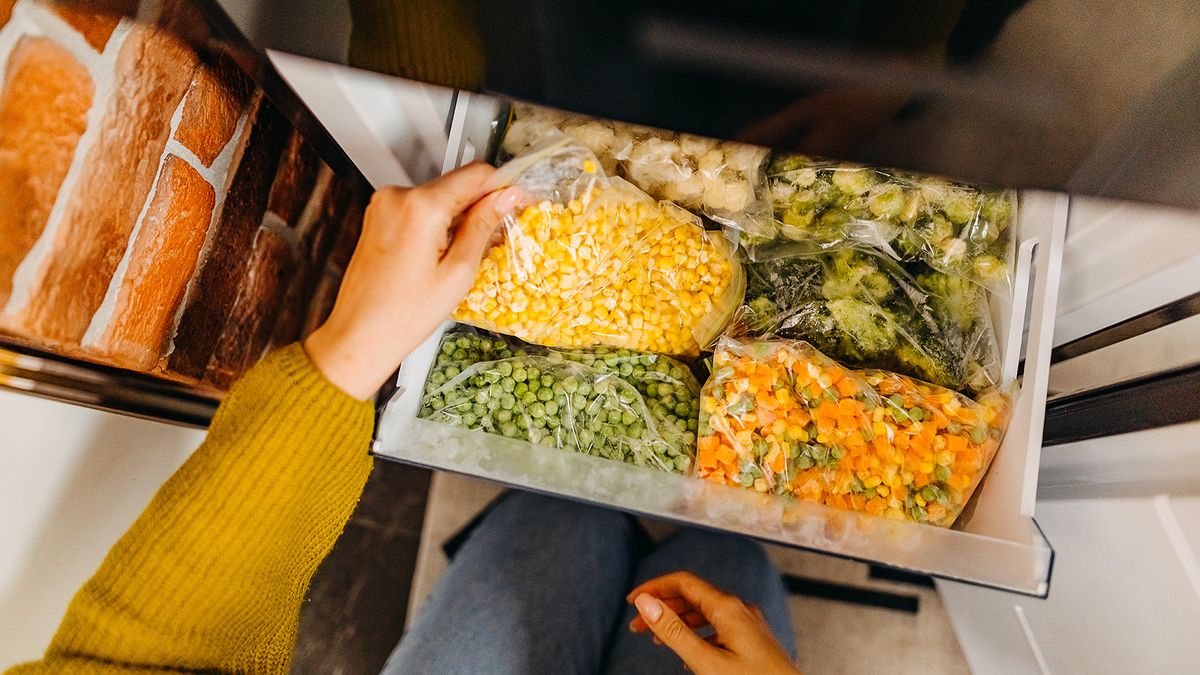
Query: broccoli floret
{"type": "Point", "coordinates": [853, 274]}
{"type": "Point", "coordinates": [954, 297]}
{"type": "Point", "coordinates": [998, 208]}
{"type": "Point", "coordinates": [867, 330]}
{"type": "Point", "coordinates": [961, 205]}
{"type": "Point", "coordinates": [887, 202]}
{"type": "Point", "coordinates": [853, 182]}
{"type": "Point", "coordinates": [761, 315]}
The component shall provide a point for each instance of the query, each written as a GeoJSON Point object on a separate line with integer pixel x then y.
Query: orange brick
{"type": "Point", "coordinates": [152, 72]}
{"type": "Point", "coordinates": [216, 98]}
{"type": "Point", "coordinates": [163, 260]}
{"type": "Point", "coordinates": [253, 317]}
{"type": "Point", "coordinates": [95, 19]}
{"type": "Point", "coordinates": [43, 112]}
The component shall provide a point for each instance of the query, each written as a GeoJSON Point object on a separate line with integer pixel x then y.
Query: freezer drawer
{"type": "Point", "coordinates": [995, 543]}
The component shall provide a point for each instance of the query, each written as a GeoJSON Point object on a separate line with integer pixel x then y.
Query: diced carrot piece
{"type": "Point", "coordinates": [708, 443]}
{"type": "Point", "coordinates": [726, 455]}
{"type": "Point", "coordinates": [855, 439]}
{"type": "Point", "coordinates": [827, 409]}
{"type": "Point", "coordinates": [882, 444]}
{"type": "Point", "coordinates": [956, 444]}
{"type": "Point", "coordinates": [921, 480]}
{"type": "Point", "coordinates": [706, 457]}
{"type": "Point", "coordinates": [848, 406]}
{"type": "Point", "coordinates": [836, 374]}
{"type": "Point", "coordinates": [847, 387]}
{"type": "Point", "coordinates": [799, 416]}
{"type": "Point", "coordinates": [777, 463]}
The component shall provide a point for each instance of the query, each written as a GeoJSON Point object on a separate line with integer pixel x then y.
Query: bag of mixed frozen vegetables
{"type": "Point", "coordinates": [591, 260]}
{"type": "Point", "coordinates": [780, 417]}
{"type": "Point", "coordinates": [865, 309]}
{"type": "Point", "coordinates": [723, 180]}
{"type": "Point", "coordinates": [955, 228]}
{"type": "Point", "coordinates": [633, 407]}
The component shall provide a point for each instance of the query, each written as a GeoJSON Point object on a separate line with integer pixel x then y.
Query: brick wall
{"type": "Point", "coordinates": [158, 214]}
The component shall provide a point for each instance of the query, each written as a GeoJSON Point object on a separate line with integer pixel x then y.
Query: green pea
{"type": "Point", "coordinates": [547, 380]}
{"type": "Point", "coordinates": [469, 419]}
{"type": "Point", "coordinates": [448, 347]}
{"type": "Point", "coordinates": [896, 400]}
{"type": "Point", "coordinates": [551, 408]}
{"type": "Point", "coordinates": [519, 374]}
{"type": "Point", "coordinates": [979, 435]}
{"type": "Point", "coordinates": [929, 493]}
{"type": "Point", "coordinates": [503, 416]}
{"type": "Point", "coordinates": [683, 409]}
{"type": "Point", "coordinates": [533, 373]}
{"type": "Point", "coordinates": [578, 402]}
{"type": "Point", "coordinates": [870, 493]}
{"type": "Point", "coordinates": [942, 473]}
{"type": "Point", "coordinates": [529, 398]}
{"type": "Point", "coordinates": [545, 395]}
{"type": "Point", "coordinates": [504, 368]}
{"type": "Point", "coordinates": [628, 418]}
{"type": "Point", "coordinates": [452, 372]}
{"type": "Point", "coordinates": [508, 401]}
{"type": "Point", "coordinates": [538, 410]}
{"type": "Point", "coordinates": [917, 414]}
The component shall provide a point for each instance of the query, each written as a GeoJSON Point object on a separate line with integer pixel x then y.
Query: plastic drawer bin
{"type": "Point", "coordinates": [994, 543]}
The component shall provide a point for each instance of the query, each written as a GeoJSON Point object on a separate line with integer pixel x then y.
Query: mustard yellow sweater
{"type": "Point", "coordinates": [211, 576]}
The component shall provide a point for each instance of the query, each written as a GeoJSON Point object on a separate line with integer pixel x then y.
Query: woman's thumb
{"type": "Point", "coordinates": [673, 632]}
{"type": "Point", "coordinates": [473, 234]}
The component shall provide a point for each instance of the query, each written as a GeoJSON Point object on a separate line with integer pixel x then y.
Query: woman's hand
{"type": "Point", "coordinates": [675, 605]}
{"type": "Point", "coordinates": [416, 258]}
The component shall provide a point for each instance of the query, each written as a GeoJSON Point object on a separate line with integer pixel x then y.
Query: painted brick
{"type": "Point", "coordinates": [294, 182]}
{"type": "Point", "coordinates": [216, 98]}
{"type": "Point", "coordinates": [252, 319]}
{"type": "Point", "coordinates": [95, 20]}
{"type": "Point", "coordinates": [164, 258]}
{"type": "Point", "coordinates": [224, 270]}
{"type": "Point", "coordinates": [43, 112]}
{"type": "Point", "coordinates": [152, 73]}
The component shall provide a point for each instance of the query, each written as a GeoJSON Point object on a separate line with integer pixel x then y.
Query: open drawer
{"type": "Point", "coordinates": [995, 543]}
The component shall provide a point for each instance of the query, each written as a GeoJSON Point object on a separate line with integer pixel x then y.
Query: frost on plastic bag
{"type": "Point", "coordinates": [720, 179]}
{"type": "Point", "coordinates": [780, 417]}
{"type": "Point", "coordinates": [865, 309]}
{"type": "Point", "coordinates": [956, 228]}
{"type": "Point", "coordinates": [594, 261]}
{"type": "Point", "coordinates": [638, 408]}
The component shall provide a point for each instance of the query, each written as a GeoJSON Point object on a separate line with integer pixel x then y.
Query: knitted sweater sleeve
{"type": "Point", "coordinates": [212, 574]}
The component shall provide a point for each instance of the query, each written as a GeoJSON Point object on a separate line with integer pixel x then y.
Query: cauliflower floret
{"type": "Point", "coordinates": [687, 192]}
{"type": "Point", "coordinates": [711, 162]}
{"type": "Point", "coordinates": [595, 136]}
{"type": "Point", "coordinates": [744, 158]}
{"type": "Point", "coordinates": [650, 162]}
{"type": "Point", "coordinates": [722, 195]}
{"type": "Point", "coordinates": [695, 146]}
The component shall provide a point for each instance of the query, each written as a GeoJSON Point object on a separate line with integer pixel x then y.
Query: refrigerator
{"type": "Point", "coordinates": [1091, 501]}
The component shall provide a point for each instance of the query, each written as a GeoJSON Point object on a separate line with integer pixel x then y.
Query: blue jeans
{"type": "Point", "coordinates": [539, 587]}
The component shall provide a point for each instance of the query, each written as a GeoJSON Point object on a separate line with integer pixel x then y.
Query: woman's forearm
{"type": "Point", "coordinates": [212, 574]}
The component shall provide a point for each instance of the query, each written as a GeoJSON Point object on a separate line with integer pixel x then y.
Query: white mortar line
{"type": "Point", "coordinates": [226, 165]}
{"type": "Point", "coordinates": [101, 68]}
{"type": "Point", "coordinates": [104, 313]}
{"type": "Point", "coordinates": [312, 208]}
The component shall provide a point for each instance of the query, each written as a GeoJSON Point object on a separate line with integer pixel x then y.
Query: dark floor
{"type": "Point", "coordinates": [355, 610]}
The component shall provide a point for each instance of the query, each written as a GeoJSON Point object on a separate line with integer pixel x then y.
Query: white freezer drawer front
{"type": "Point", "coordinates": [996, 542]}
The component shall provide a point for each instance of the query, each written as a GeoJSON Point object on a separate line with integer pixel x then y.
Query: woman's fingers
{"type": "Point", "coordinates": [674, 633]}
{"type": "Point", "coordinates": [692, 618]}
{"type": "Point", "coordinates": [450, 194]}
{"type": "Point", "coordinates": [699, 593]}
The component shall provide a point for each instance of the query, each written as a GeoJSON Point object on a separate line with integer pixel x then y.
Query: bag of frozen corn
{"type": "Point", "coordinates": [591, 260]}
{"type": "Point", "coordinates": [780, 417]}
{"type": "Point", "coordinates": [955, 228]}
{"type": "Point", "coordinates": [607, 402]}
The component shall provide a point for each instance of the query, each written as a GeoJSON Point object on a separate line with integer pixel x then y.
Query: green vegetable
{"type": "Point", "coordinates": [954, 227]}
{"type": "Point", "coordinates": [612, 403]}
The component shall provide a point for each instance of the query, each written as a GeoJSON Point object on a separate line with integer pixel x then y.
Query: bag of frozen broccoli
{"type": "Point", "coordinates": [780, 417]}
{"type": "Point", "coordinates": [955, 228]}
{"type": "Point", "coordinates": [634, 407]}
{"type": "Point", "coordinates": [865, 309]}
{"type": "Point", "coordinates": [723, 180]}
{"type": "Point", "coordinates": [591, 260]}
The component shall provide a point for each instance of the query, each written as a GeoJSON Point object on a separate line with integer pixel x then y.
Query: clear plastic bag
{"type": "Point", "coordinates": [865, 309]}
{"type": "Point", "coordinates": [780, 417]}
{"type": "Point", "coordinates": [594, 261]}
{"type": "Point", "coordinates": [955, 228]}
{"type": "Point", "coordinates": [723, 180]}
{"type": "Point", "coordinates": [637, 408]}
